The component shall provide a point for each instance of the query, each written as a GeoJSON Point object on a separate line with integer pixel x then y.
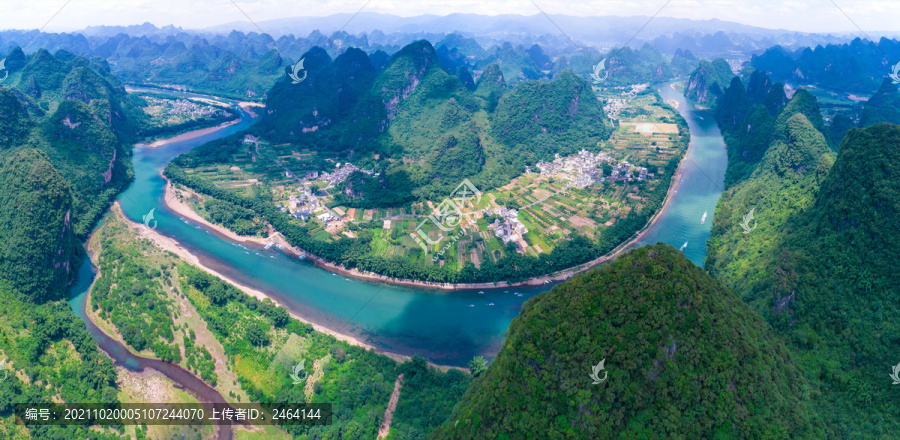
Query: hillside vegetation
{"type": "Point", "coordinates": [66, 129]}
{"type": "Point", "coordinates": [816, 263]}
{"type": "Point", "coordinates": [422, 128]}
{"type": "Point", "coordinates": [685, 359]}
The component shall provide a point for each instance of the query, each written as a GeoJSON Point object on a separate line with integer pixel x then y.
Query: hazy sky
{"type": "Point", "coordinates": [810, 16]}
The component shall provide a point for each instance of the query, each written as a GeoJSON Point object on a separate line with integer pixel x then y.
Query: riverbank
{"type": "Point", "coordinates": [190, 135]}
{"type": "Point", "coordinates": [171, 245]}
{"type": "Point", "coordinates": [202, 391]}
{"type": "Point", "coordinates": [176, 205]}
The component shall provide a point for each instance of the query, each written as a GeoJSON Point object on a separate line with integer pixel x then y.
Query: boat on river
{"type": "Point", "coordinates": [703, 219]}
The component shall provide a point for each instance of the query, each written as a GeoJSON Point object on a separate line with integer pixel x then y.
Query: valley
{"type": "Point", "coordinates": [450, 225]}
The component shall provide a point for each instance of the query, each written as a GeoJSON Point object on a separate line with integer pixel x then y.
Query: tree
{"type": "Point", "coordinates": [256, 336]}
{"type": "Point", "coordinates": [477, 365]}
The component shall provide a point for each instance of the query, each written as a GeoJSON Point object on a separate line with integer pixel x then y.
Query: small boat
{"type": "Point", "coordinates": [703, 219]}
{"type": "Point", "coordinates": [333, 275]}
{"type": "Point", "coordinates": [471, 306]}
{"type": "Point", "coordinates": [481, 292]}
{"type": "Point", "coordinates": [683, 246]}
{"type": "Point", "coordinates": [546, 281]}
{"type": "Point", "coordinates": [490, 304]}
{"type": "Point", "coordinates": [248, 253]}
{"type": "Point", "coordinates": [506, 291]}
{"type": "Point", "coordinates": [271, 256]}
{"type": "Point", "coordinates": [268, 246]}
{"type": "Point", "coordinates": [346, 279]}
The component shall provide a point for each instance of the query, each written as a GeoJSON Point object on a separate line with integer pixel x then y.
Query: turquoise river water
{"type": "Point", "coordinates": [438, 325]}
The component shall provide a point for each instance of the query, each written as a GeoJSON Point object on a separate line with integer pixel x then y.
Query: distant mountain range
{"type": "Point", "coordinates": [704, 37]}
{"type": "Point", "coordinates": [602, 31]}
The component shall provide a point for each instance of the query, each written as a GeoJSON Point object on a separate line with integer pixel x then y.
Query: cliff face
{"type": "Point", "coordinates": [708, 81]}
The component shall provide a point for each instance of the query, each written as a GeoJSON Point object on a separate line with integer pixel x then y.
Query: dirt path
{"type": "Point", "coordinates": [392, 405]}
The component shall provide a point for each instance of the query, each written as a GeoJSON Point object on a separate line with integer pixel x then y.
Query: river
{"type": "Point", "coordinates": [701, 183]}
{"type": "Point", "coordinates": [442, 326]}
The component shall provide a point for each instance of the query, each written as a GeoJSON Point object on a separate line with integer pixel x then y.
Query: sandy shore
{"type": "Point", "coordinates": [248, 107]}
{"type": "Point", "coordinates": [182, 209]}
{"type": "Point", "coordinates": [169, 244]}
{"type": "Point", "coordinates": [191, 134]}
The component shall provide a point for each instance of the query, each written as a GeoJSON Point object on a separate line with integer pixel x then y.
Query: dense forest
{"type": "Point", "coordinates": [66, 129]}
{"type": "Point", "coordinates": [684, 357]}
{"type": "Point", "coordinates": [816, 263]}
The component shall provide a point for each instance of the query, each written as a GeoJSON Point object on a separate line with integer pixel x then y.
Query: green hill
{"type": "Point", "coordinates": [782, 186]}
{"type": "Point", "coordinates": [423, 128]}
{"type": "Point", "coordinates": [36, 239]}
{"type": "Point", "coordinates": [883, 106]}
{"type": "Point", "coordinates": [325, 96]}
{"type": "Point", "coordinates": [818, 264]}
{"type": "Point", "coordinates": [67, 125]}
{"type": "Point", "coordinates": [685, 358]}
{"type": "Point", "coordinates": [708, 81]}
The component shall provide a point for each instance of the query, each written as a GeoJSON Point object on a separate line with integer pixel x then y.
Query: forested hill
{"type": "Point", "coordinates": [815, 259]}
{"type": "Point", "coordinates": [67, 125]}
{"type": "Point", "coordinates": [708, 80]}
{"type": "Point", "coordinates": [752, 117]}
{"type": "Point", "coordinates": [684, 358]}
{"type": "Point", "coordinates": [777, 187]}
{"type": "Point", "coordinates": [883, 106]}
{"type": "Point", "coordinates": [426, 127]}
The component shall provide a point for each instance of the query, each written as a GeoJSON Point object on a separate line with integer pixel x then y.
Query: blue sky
{"type": "Point", "coordinates": [809, 16]}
